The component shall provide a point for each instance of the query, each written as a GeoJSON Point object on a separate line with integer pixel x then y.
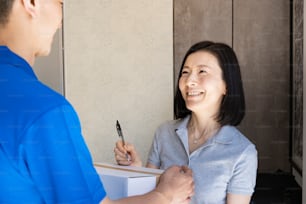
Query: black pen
{"type": "Point", "coordinates": [119, 131]}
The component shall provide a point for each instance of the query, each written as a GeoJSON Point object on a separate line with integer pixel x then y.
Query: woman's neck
{"type": "Point", "coordinates": [200, 130]}
{"type": "Point", "coordinates": [203, 123]}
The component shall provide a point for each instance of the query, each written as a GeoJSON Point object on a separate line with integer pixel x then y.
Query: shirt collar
{"type": "Point", "coordinates": [182, 123]}
{"type": "Point", "coordinates": [224, 136]}
{"type": "Point", "coordinates": [9, 57]}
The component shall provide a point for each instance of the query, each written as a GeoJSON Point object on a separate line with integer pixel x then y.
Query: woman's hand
{"type": "Point", "coordinates": [126, 154]}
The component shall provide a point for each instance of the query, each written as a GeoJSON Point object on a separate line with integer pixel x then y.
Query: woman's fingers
{"type": "Point", "coordinates": [122, 157]}
{"type": "Point", "coordinates": [126, 154]}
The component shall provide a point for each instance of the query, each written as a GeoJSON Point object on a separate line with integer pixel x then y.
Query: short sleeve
{"type": "Point", "coordinates": [243, 180]}
{"type": "Point", "coordinates": [154, 157]}
{"type": "Point", "coordinates": [58, 159]}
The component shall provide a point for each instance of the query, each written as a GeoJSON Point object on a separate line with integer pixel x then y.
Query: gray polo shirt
{"type": "Point", "coordinates": [226, 163]}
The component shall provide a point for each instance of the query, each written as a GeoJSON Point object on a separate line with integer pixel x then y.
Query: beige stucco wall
{"type": "Point", "coordinates": [49, 69]}
{"type": "Point", "coordinates": [119, 65]}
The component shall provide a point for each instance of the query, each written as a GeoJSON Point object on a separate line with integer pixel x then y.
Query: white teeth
{"type": "Point", "coordinates": [194, 93]}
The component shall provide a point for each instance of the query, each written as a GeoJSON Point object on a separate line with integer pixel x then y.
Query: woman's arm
{"type": "Point", "coordinates": [152, 166]}
{"type": "Point", "coordinates": [238, 199]}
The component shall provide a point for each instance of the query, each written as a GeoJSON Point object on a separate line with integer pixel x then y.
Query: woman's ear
{"type": "Point", "coordinates": [30, 7]}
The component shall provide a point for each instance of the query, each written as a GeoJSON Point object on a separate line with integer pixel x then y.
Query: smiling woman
{"type": "Point", "coordinates": [222, 65]}
{"type": "Point", "coordinates": [209, 103]}
{"type": "Point", "coordinates": [201, 83]}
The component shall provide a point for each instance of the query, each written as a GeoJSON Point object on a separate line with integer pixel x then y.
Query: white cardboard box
{"type": "Point", "coordinates": [125, 181]}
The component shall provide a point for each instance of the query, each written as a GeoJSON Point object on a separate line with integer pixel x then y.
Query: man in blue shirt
{"type": "Point", "coordinates": [43, 156]}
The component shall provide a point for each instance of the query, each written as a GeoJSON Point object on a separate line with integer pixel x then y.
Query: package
{"type": "Point", "coordinates": [124, 181]}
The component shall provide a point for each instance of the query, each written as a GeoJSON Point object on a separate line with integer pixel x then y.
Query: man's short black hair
{"type": "Point", "coordinates": [5, 10]}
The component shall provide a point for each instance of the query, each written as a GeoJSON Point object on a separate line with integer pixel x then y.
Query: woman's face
{"type": "Point", "coordinates": [201, 83]}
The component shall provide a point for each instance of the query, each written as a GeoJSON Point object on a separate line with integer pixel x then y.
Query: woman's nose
{"type": "Point", "coordinates": [192, 80]}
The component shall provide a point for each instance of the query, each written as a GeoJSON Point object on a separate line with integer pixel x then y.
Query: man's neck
{"type": "Point", "coordinates": [21, 51]}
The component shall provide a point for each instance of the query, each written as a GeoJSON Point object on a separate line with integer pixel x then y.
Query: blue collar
{"type": "Point", "coordinates": [9, 57]}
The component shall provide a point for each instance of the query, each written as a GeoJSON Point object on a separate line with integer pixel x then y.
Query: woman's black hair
{"type": "Point", "coordinates": [232, 108]}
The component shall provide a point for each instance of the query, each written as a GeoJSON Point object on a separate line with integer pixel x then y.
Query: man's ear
{"type": "Point", "coordinates": [30, 7]}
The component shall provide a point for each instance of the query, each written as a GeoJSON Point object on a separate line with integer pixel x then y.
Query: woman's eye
{"type": "Point", "coordinates": [184, 72]}
{"type": "Point", "coordinates": [203, 71]}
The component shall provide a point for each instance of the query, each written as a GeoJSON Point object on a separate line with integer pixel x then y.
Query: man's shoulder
{"type": "Point", "coordinates": [29, 97]}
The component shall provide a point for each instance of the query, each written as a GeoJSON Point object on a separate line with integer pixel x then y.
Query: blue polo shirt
{"type": "Point", "coordinates": [226, 163]}
{"type": "Point", "coordinates": [43, 156]}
